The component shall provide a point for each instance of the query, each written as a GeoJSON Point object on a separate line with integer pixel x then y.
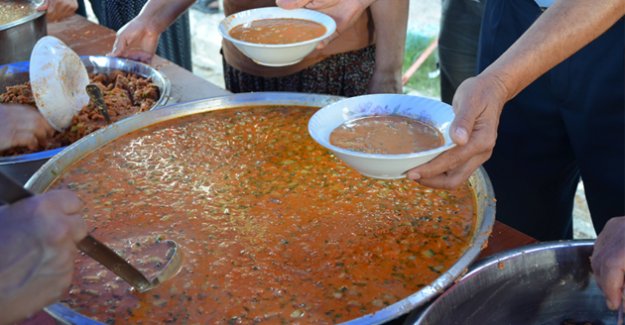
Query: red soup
{"type": "Point", "coordinates": [273, 228]}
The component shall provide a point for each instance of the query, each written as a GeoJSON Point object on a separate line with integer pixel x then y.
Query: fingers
{"type": "Point", "coordinates": [292, 4]}
{"type": "Point", "coordinates": [139, 55]}
{"type": "Point", "coordinates": [611, 282]}
{"type": "Point", "coordinates": [60, 218]}
{"type": "Point", "coordinates": [453, 178]}
{"type": "Point", "coordinates": [464, 121]}
{"type": "Point", "coordinates": [59, 9]}
{"type": "Point", "coordinates": [24, 139]}
{"type": "Point", "coordinates": [44, 6]}
{"type": "Point", "coordinates": [25, 126]}
{"type": "Point", "coordinates": [608, 261]}
{"type": "Point", "coordinates": [119, 47]}
{"type": "Point", "coordinates": [64, 201]}
{"type": "Point", "coordinates": [327, 41]}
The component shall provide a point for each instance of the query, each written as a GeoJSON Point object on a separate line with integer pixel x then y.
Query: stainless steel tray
{"type": "Point", "coordinates": [479, 180]}
{"type": "Point", "coordinates": [544, 283]}
{"type": "Point", "coordinates": [21, 167]}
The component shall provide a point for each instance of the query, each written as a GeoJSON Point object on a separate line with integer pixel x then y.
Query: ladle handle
{"type": "Point", "coordinates": [98, 100]}
{"type": "Point", "coordinates": [11, 191]}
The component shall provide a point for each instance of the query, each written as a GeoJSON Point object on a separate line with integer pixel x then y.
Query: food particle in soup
{"type": "Point", "coordinates": [124, 93]}
{"type": "Point", "coordinates": [278, 31]}
{"type": "Point", "coordinates": [273, 228]}
{"type": "Point", "coordinates": [391, 134]}
{"type": "Point", "coordinates": [12, 10]}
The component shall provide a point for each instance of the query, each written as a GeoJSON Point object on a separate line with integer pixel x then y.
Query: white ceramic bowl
{"type": "Point", "coordinates": [276, 55]}
{"type": "Point", "coordinates": [383, 166]}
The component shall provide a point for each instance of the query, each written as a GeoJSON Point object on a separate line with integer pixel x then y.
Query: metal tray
{"type": "Point", "coordinates": [544, 283]}
{"type": "Point", "coordinates": [21, 167]}
{"type": "Point", "coordinates": [479, 180]}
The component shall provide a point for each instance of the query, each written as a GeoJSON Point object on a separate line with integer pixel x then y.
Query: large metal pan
{"type": "Point", "coordinates": [19, 37]}
{"type": "Point", "coordinates": [479, 180]}
{"type": "Point", "coordinates": [21, 167]}
{"type": "Point", "coordinates": [545, 283]}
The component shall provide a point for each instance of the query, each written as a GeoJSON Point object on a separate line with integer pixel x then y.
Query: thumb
{"type": "Point", "coordinates": [327, 41]}
{"type": "Point", "coordinates": [119, 47]}
{"type": "Point", "coordinates": [463, 123]}
{"type": "Point", "coordinates": [292, 4]}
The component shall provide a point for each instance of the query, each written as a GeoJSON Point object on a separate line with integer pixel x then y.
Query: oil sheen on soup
{"type": "Point", "coordinates": [386, 135]}
{"type": "Point", "coordinates": [278, 31]}
{"type": "Point", "coordinates": [273, 228]}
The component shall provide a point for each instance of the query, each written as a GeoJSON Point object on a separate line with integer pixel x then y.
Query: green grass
{"type": "Point", "coordinates": [420, 80]}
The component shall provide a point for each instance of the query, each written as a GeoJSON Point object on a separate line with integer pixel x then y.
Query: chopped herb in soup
{"type": "Point", "coordinates": [386, 135]}
{"type": "Point", "coordinates": [278, 31]}
{"type": "Point", "coordinates": [272, 227]}
{"type": "Point", "coordinates": [12, 10]}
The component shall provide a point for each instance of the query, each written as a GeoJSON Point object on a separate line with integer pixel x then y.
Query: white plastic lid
{"type": "Point", "coordinates": [58, 79]}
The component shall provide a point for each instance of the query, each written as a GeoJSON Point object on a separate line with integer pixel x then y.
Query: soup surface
{"type": "Point", "coordinates": [386, 135]}
{"type": "Point", "coordinates": [12, 10]}
{"type": "Point", "coordinates": [273, 228]}
{"type": "Point", "coordinates": [278, 31]}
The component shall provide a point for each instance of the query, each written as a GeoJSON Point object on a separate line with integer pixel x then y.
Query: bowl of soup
{"type": "Point", "coordinates": [277, 37]}
{"type": "Point", "coordinates": [384, 135]}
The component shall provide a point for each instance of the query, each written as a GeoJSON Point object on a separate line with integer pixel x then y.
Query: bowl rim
{"type": "Point", "coordinates": [224, 31]}
{"type": "Point", "coordinates": [420, 316]}
{"type": "Point", "coordinates": [446, 134]}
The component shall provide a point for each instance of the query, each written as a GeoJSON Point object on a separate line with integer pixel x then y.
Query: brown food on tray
{"type": "Point", "coordinates": [124, 93]}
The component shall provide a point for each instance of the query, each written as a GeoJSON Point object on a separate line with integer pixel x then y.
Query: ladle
{"type": "Point", "coordinates": [11, 191]}
{"type": "Point", "coordinates": [95, 94]}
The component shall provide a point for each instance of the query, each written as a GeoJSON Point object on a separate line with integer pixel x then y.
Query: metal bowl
{"type": "Point", "coordinates": [19, 37]}
{"type": "Point", "coordinates": [543, 283]}
{"type": "Point", "coordinates": [21, 167]}
{"type": "Point", "coordinates": [479, 180]}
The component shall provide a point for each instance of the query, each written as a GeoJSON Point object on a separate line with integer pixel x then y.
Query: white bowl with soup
{"type": "Point", "coordinates": [277, 37]}
{"type": "Point", "coordinates": [384, 135]}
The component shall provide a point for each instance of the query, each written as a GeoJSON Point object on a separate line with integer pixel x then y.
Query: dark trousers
{"type": "Point", "coordinates": [568, 124]}
{"type": "Point", "coordinates": [458, 43]}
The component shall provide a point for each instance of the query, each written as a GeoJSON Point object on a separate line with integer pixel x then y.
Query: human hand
{"type": "Point", "coordinates": [477, 103]}
{"type": "Point", "coordinates": [58, 9]}
{"type": "Point", "coordinates": [39, 237]}
{"type": "Point", "coordinates": [385, 82]}
{"type": "Point", "coordinates": [137, 40]}
{"type": "Point", "coordinates": [22, 126]}
{"type": "Point", "coordinates": [344, 12]}
{"type": "Point", "coordinates": [608, 261]}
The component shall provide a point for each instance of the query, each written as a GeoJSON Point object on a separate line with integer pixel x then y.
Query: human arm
{"type": "Point", "coordinates": [138, 39]}
{"type": "Point", "coordinates": [22, 126]}
{"type": "Point", "coordinates": [390, 18]}
{"type": "Point", "coordinates": [559, 32]}
{"type": "Point", "coordinates": [58, 9]}
{"type": "Point", "coordinates": [344, 12]}
{"type": "Point", "coordinates": [608, 261]}
{"type": "Point", "coordinates": [39, 237]}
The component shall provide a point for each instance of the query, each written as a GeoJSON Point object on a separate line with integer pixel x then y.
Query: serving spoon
{"type": "Point", "coordinates": [11, 191]}
{"type": "Point", "coordinates": [95, 94]}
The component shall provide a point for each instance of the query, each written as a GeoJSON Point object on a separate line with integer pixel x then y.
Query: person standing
{"type": "Point", "coordinates": [458, 43]}
{"type": "Point", "coordinates": [349, 66]}
{"type": "Point", "coordinates": [174, 44]}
